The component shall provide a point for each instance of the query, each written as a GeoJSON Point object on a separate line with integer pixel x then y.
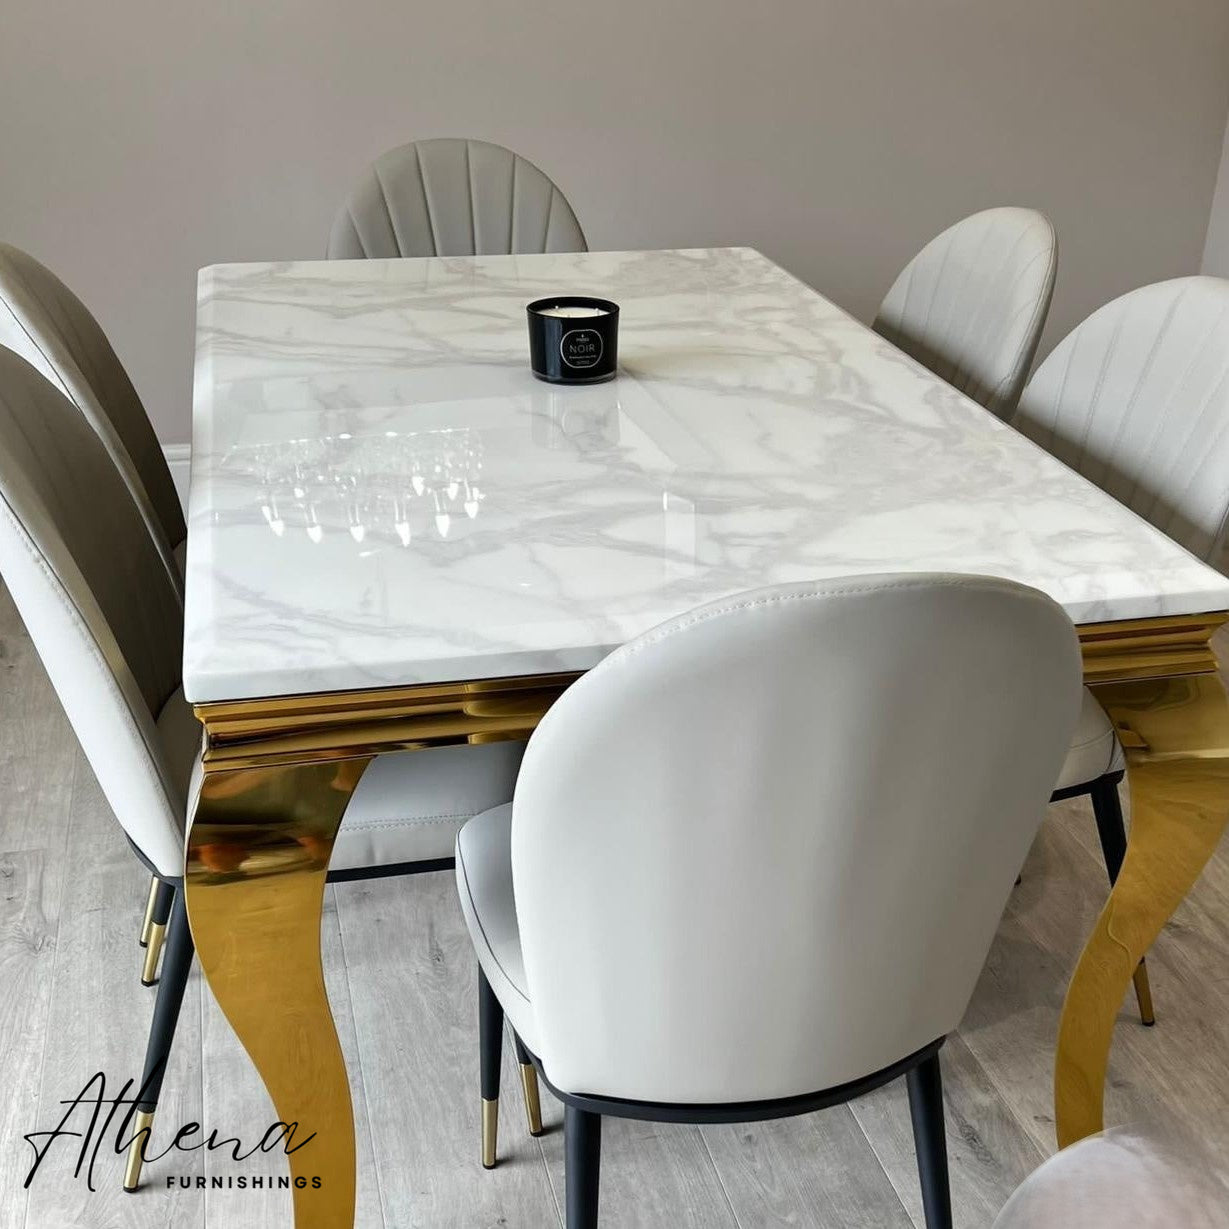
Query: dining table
{"type": "Point", "coordinates": [399, 539]}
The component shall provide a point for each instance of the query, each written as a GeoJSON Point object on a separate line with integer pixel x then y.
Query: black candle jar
{"type": "Point", "coordinates": [573, 339]}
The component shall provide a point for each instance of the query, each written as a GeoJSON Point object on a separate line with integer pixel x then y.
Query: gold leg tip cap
{"type": "Point", "coordinates": [136, 1160]}
{"type": "Point", "coordinates": [490, 1128]}
{"type": "Point", "coordinates": [533, 1103]}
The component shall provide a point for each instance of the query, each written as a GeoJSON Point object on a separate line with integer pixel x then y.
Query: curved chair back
{"type": "Point", "coordinates": [1127, 1176]}
{"type": "Point", "coordinates": [743, 866]}
{"type": "Point", "coordinates": [44, 322]}
{"type": "Point", "coordinates": [1136, 398]}
{"type": "Point", "coordinates": [971, 305]}
{"type": "Point", "coordinates": [96, 598]}
{"type": "Point", "coordinates": [453, 197]}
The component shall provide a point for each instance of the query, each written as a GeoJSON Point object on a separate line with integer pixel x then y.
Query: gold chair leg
{"type": "Point", "coordinates": [1143, 995]}
{"type": "Point", "coordinates": [132, 1170]}
{"type": "Point", "coordinates": [490, 1132]}
{"type": "Point", "coordinates": [149, 910]}
{"type": "Point", "coordinates": [533, 1103]}
{"type": "Point", "coordinates": [153, 949]}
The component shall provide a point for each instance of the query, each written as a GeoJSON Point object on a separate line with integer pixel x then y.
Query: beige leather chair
{"type": "Point", "coordinates": [678, 935]}
{"type": "Point", "coordinates": [1136, 398]}
{"type": "Point", "coordinates": [44, 322]}
{"type": "Point", "coordinates": [972, 303]}
{"type": "Point", "coordinates": [106, 618]}
{"type": "Point", "coordinates": [453, 197]}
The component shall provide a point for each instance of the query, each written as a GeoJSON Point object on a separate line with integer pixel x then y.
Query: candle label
{"type": "Point", "coordinates": [581, 348]}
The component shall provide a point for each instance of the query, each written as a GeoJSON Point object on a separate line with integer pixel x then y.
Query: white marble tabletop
{"type": "Point", "coordinates": [383, 494]}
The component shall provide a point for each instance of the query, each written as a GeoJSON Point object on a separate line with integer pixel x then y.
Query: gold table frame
{"type": "Point", "coordinates": [279, 772]}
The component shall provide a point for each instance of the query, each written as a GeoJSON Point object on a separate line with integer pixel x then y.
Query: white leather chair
{"type": "Point", "coordinates": [453, 197]}
{"type": "Point", "coordinates": [1136, 399]}
{"type": "Point", "coordinates": [1128, 1176]}
{"type": "Point", "coordinates": [44, 322]}
{"type": "Point", "coordinates": [679, 933]}
{"type": "Point", "coordinates": [971, 305]}
{"type": "Point", "coordinates": [107, 620]}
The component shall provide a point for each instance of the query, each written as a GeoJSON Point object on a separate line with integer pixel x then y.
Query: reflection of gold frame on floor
{"type": "Point", "coordinates": [279, 772]}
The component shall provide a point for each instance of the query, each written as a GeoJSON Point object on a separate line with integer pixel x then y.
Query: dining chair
{"type": "Point", "coordinates": [453, 197]}
{"type": "Point", "coordinates": [681, 936]}
{"type": "Point", "coordinates": [43, 321]}
{"type": "Point", "coordinates": [1136, 398]}
{"type": "Point", "coordinates": [1128, 1176]}
{"type": "Point", "coordinates": [106, 619]}
{"type": "Point", "coordinates": [971, 305]}
{"type": "Point", "coordinates": [47, 324]}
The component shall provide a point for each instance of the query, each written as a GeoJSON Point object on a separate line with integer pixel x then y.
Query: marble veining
{"type": "Point", "coordinates": [383, 494]}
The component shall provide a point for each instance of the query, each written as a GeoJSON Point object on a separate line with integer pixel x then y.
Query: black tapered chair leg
{"type": "Point", "coordinates": [1107, 810]}
{"type": "Point", "coordinates": [490, 1053]}
{"type": "Point", "coordinates": [930, 1141]}
{"type": "Point", "coordinates": [158, 914]}
{"type": "Point", "coordinates": [582, 1146]}
{"type": "Point", "coordinates": [1111, 828]}
{"type": "Point", "coordinates": [176, 965]}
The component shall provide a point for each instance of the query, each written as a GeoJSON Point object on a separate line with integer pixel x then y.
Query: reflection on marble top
{"type": "Point", "coordinates": [383, 494]}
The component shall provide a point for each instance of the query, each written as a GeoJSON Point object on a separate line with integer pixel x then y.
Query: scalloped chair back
{"type": "Point", "coordinates": [971, 305]}
{"type": "Point", "coordinates": [1136, 398]}
{"type": "Point", "coordinates": [453, 197]}
{"type": "Point", "coordinates": [43, 321]}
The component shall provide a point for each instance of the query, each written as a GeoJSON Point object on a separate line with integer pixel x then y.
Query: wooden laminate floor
{"type": "Point", "coordinates": [401, 976]}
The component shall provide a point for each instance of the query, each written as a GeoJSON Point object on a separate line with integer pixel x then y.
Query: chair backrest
{"type": "Point", "coordinates": [1128, 1176]}
{"type": "Point", "coordinates": [763, 849]}
{"type": "Point", "coordinates": [44, 322]}
{"type": "Point", "coordinates": [971, 305]}
{"type": "Point", "coordinates": [453, 197]}
{"type": "Point", "coordinates": [1136, 398]}
{"type": "Point", "coordinates": [96, 598]}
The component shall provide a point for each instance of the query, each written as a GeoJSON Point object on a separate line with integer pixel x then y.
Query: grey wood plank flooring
{"type": "Point", "coordinates": [653, 1174]}
{"type": "Point", "coordinates": [405, 941]}
{"type": "Point", "coordinates": [989, 1151]}
{"type": "Point", "coordinates": [819, 1170]}
{"type": "Point", "coordinates": [401, 976]}
{"type": "Point", "coordinates": [37, 763]}
{"type": "Point", "coordinates": [29, 906]}
{"type": "Point", "coordinates": [98, 1021]}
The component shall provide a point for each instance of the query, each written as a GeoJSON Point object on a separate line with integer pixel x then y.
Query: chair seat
{"type": "Point", "coordinates": [1094, 751]}
{"type": "Point", "coordinates": [407, 807]}
{"type": "Point", "coordinates": [410, 805]}
{"type": "Point", "coordinates": [484, 884]}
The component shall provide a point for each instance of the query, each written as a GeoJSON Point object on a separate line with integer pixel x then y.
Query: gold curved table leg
{"type": "Point", "coordinates": [1175, 733]}
{"type": "Point", "coordinates": [257, 859]}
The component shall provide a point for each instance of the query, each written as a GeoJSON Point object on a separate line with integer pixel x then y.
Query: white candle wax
{"type": "Point", "coordinates": [573, 311]}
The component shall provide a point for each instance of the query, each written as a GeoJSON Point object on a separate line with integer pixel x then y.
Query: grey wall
{"type": "Point", "coordinates": [1216, 251]}
{"type": "Point", "coordinates": [140, 140]}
